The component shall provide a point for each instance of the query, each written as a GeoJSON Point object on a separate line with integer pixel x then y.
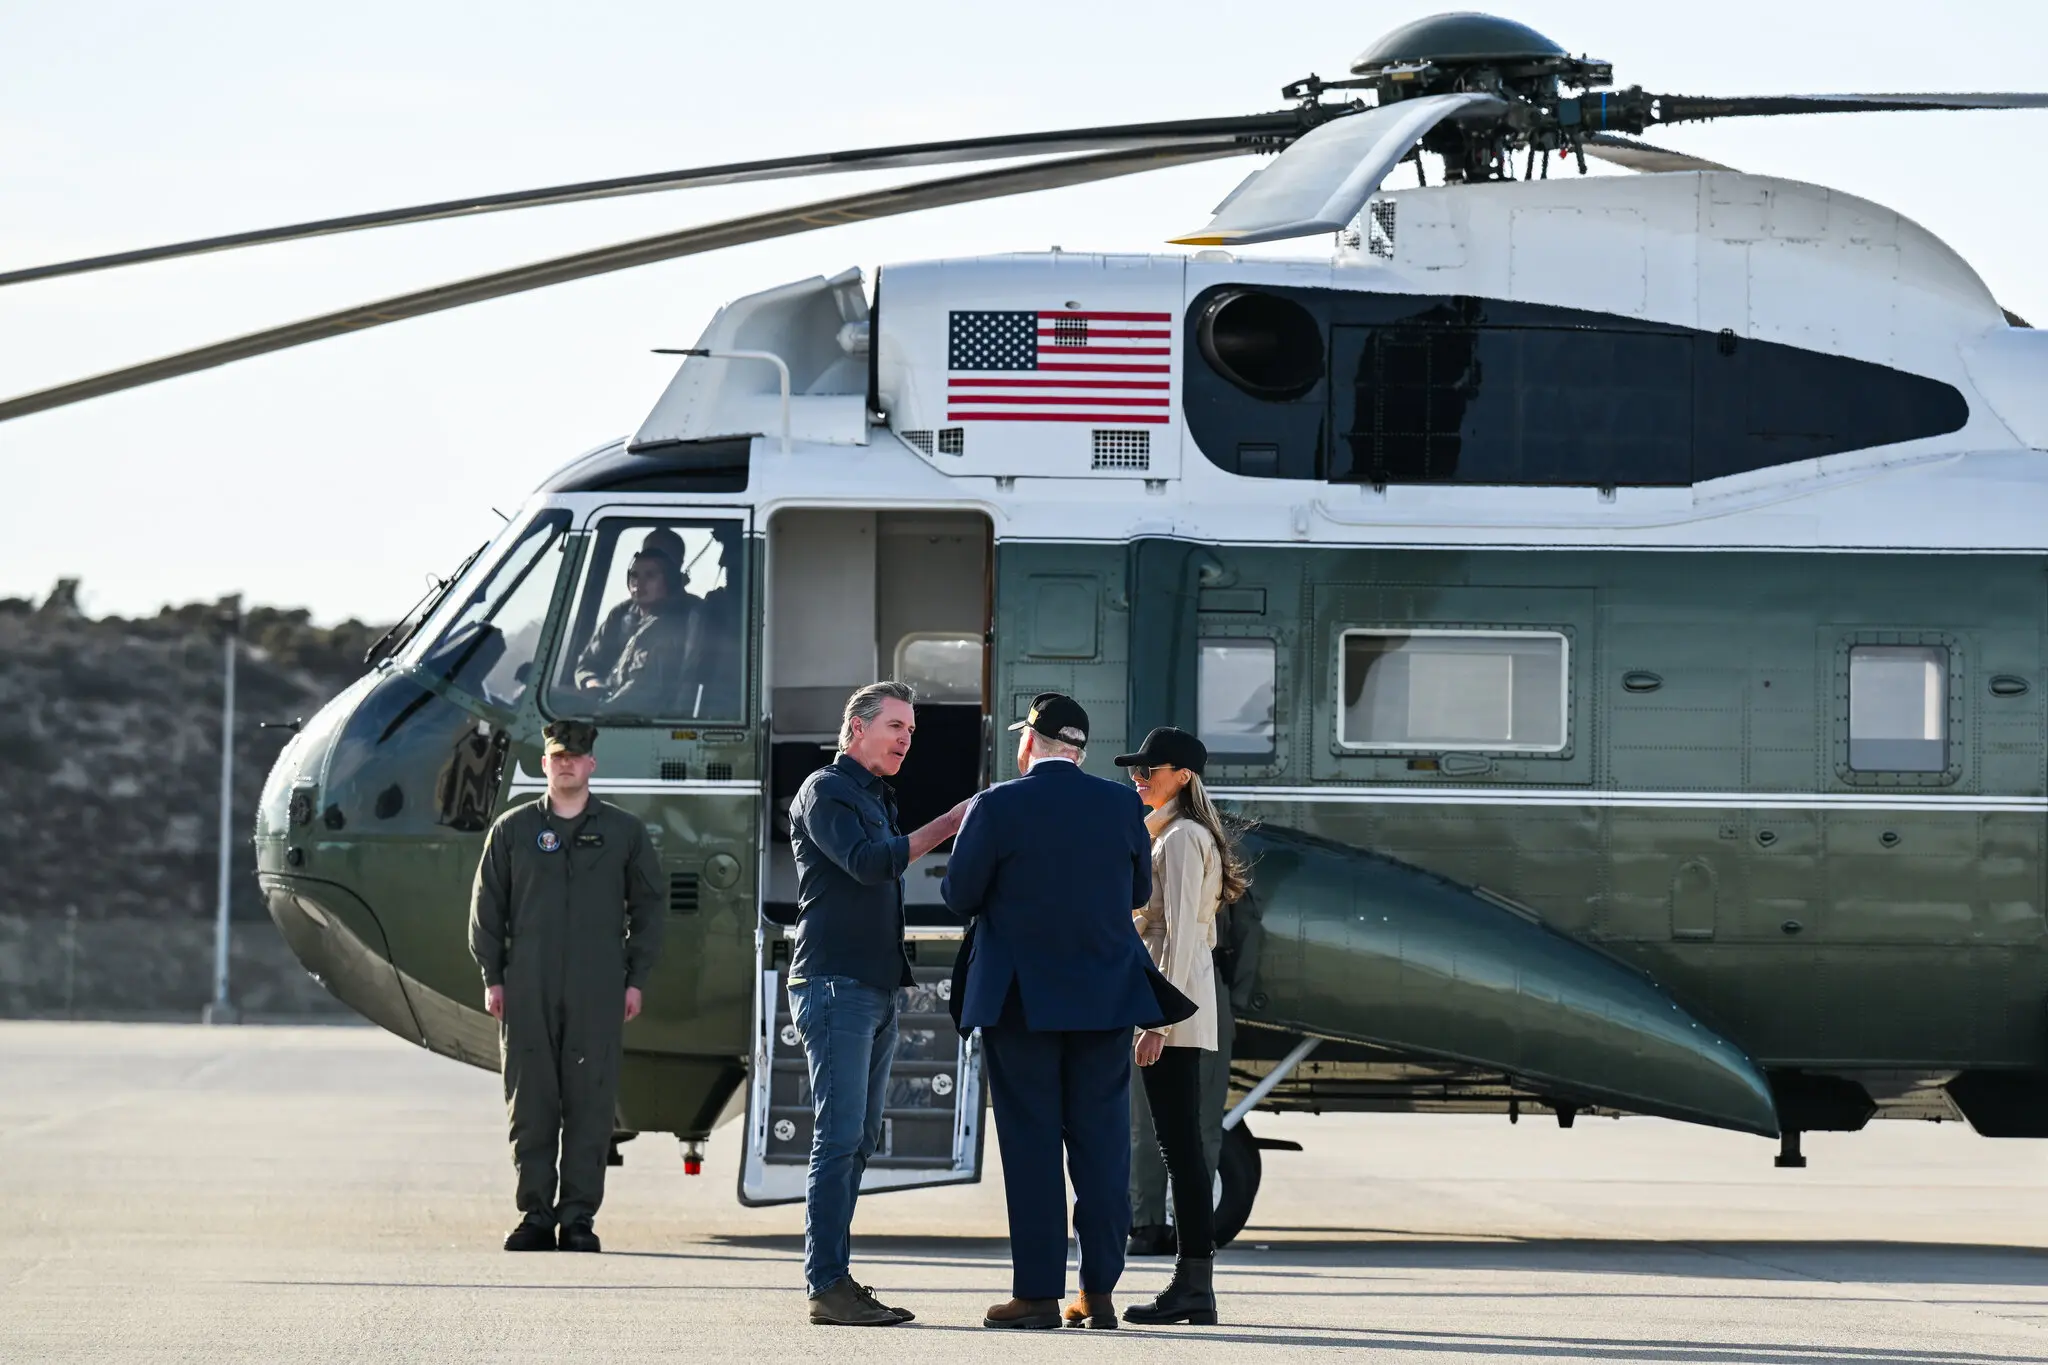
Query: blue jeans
{"type": "Point", "coordinates": [849, 1033]}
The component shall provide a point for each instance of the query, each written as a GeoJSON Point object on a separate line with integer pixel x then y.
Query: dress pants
{"type": "Point", "coordinates": [1053, 1089]}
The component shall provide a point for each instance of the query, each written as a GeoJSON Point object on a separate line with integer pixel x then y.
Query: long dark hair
{"type": "Point", "coordinates": [1196, 806]}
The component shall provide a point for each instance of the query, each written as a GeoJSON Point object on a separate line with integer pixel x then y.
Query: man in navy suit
{"type": "Point", "coordinates": [1052, 863]}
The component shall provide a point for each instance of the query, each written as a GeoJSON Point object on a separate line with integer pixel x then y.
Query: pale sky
{"type": "Point", "coordinates": [338, 475]}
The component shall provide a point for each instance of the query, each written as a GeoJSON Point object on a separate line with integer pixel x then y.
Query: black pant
{"type": "Point", "coordinates": [1173, 1087]}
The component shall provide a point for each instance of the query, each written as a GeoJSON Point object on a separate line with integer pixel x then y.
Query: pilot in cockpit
{"type": "Point", "coordinates": [634, 661]}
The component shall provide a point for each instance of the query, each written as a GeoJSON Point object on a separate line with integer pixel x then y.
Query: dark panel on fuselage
{"type": "Point", "coordinates": [715, 466]}
{"type": "Point", "coordinates": [1456, 389]}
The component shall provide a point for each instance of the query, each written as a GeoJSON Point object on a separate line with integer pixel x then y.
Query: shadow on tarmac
{"type": "Point", "coordinates": [1861, 1262]}
{"type": "Point", "coordinates": [1369, 1265]}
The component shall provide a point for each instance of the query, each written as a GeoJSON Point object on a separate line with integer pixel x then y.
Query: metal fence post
{"type": "Point", "coordinates": [222, 1009]}
{"type": "Point", "coordinates": [70, 962]}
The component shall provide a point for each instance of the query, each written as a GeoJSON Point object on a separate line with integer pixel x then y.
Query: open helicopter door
{"type": "Point", "coordinates": [853, 595]}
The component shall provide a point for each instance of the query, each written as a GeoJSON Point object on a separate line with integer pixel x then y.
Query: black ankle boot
{"type": "Point", "coordinates": [1190, 1297]}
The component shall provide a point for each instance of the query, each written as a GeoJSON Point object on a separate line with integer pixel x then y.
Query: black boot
{"type": "Point", "coordinates": [1190, 1297]}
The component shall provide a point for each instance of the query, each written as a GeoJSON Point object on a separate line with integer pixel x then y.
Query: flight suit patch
{"type": "Point", "coordinates": [589, 839]}
{"type": "Point", "coordinates": [549, 841]}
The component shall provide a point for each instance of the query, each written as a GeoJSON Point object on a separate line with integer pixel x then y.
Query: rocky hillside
{"type": "Point", "coordinates": [110, 758]}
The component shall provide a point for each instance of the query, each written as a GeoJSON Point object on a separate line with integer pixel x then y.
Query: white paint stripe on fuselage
{"type": "Point", "coordinates": [1565, 796]}
{"type": "Point", "coordinates": [1452, 796]}
{"type": "Point", "coordinates": [638, 786]}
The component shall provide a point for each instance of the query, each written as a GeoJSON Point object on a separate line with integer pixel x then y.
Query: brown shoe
{"type": "Point", "coordinates": [1028, 1313]}
{"type": "Point", "coordinates": [1091, 1310]}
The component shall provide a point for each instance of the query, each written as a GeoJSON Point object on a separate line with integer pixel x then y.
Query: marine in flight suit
{"type": "Point", "coordinates": [565, 916]}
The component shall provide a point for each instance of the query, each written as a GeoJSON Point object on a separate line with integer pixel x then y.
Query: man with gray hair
{"type": "Point", "coordinates": [848, 966]}
{"type": "Point", "coordinates": [1048, 867]}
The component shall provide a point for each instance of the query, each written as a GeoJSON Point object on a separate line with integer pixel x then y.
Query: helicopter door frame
{"type": "Point", "coordinates": [936, 1096]}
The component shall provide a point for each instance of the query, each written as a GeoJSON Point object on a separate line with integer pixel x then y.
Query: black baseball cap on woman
{"type": "Point", "coordinates": [1167, 747]}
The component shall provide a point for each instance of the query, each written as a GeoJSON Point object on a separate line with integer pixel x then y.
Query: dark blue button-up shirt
{"type": "Point", "coordinates": [849, 863]}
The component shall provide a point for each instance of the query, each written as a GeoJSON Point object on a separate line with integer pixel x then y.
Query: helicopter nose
{"type": "Point", "coordinates": [329, 928]}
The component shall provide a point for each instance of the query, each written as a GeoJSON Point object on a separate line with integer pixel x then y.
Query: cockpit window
{"type": "Point", "coordinates": [494, 619]}
{"type": "Point", "coordinates": [659, 632]}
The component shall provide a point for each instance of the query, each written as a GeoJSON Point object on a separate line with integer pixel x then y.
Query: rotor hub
{"type": "Point", "coordinates": [1533, 76]}
{"type": "Point", "coordinates": [1462, 37]}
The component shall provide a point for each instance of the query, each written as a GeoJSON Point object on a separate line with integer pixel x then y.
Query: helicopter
{"type": "Point", "coordinates": [1614, 605]}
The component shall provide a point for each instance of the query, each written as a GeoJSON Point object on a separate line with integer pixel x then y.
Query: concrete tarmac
{"type": "Point", "coordinates": [174, 1193]}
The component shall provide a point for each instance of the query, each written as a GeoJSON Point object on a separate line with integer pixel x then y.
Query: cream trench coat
{"type": "Point", "coordinates": [1179, 923]}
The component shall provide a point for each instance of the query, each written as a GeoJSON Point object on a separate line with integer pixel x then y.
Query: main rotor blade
{"type": "Point", "coordinates": [758, 227]}
{"type": "Point", "coordinates": [1641, 156]}
{"type": "Point", "coordinates": [1324, 178]}
{"type": "Point", "coordinates": [1689, 108]}
{"type": "Point", "coordinates": [1263, 128]}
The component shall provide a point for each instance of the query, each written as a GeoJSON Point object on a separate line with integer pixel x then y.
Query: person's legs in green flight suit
{"type": "Point", "coordinates": [529, 1050]}
{"type": "Point", "coordinates": [590, 1102]}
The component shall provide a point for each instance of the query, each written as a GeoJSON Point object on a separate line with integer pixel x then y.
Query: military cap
{"type": "Point", "coordinates": [570, 737]}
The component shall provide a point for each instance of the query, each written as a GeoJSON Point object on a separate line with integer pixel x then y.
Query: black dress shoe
{"type": "Point", "coordinates": [1153, 1239]}
{"type": "Point", "coordinates": [579, 1237]}
{"type": "Point", "coordinates": [1189, 1297]}
{"type": "Point", "coordinates": [531, 1236]}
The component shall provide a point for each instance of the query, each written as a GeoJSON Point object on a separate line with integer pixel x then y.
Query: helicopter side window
{"type": "Point", "coordinates": [944, 668]}
{"type": "Point", "coordinates": [1234, 699]}
{"type": "Point", "coordinates": [659, 633]}
{"type": "Point", "coordinates": [1495, 690]}
{"type": "Point", "coordinates": [1898, 708]}
{"type": "Point", "coordinates": [494, 625]}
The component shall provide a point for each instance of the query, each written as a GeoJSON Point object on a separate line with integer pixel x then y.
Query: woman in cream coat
{"type": "Point", "coordinates": [1195, 872]}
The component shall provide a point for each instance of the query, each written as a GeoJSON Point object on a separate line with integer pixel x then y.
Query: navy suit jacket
{"type": "Point", "coordinates": [1052, 864]}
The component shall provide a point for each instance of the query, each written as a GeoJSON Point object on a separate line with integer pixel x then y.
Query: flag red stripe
{"type": "Point", "coordinates": [1093, 400]}
{"type": "Point", "coordinates": [1111, 368]}
{"type": "Point", "coordinates": [1105, 418]}
{"type": "Point", "coordinates": [1154, 333]}
{"type": "Point", "coordinates": [1044, 350]}
{"type": "Point", "coordinates": [1057, 383]}
{"type": "Point", "coordinates": [1110, 317]}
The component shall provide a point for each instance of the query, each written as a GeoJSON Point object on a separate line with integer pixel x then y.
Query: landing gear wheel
{"type": "Point", "coordinates": [1238, 1172]}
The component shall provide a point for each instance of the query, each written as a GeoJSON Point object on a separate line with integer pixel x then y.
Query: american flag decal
{"type": "Point", "coordinates": [1022, 366]}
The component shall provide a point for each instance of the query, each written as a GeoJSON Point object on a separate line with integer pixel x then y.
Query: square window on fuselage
{"type": "Point", "coordinates": [1234, 699]}
{"type": "Point", "coordinates": [1898, 708]}
{"type": "Point", "coordinates": [1490, 690]}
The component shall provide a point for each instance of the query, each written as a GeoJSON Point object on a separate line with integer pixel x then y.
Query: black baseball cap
{"type": "Point", "coordinates": [1057, 716]}
{"type": "Point", "coordinates": [1167, 747]}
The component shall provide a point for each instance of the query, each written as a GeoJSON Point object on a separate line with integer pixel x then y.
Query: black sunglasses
{"type": "Point", "coordinates": [1143, 771]}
